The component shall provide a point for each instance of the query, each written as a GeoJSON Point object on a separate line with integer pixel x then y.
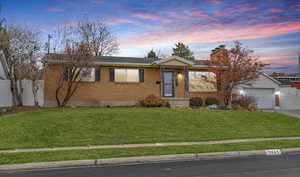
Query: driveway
{"type": "Point", "coordinates": [294, 113]}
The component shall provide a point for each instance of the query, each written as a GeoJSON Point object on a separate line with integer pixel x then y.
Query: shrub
{"type": "Point", "coordinates": [196, 101]}
{"type": "Point", "coordinates": [152, 101]}
{"type": "Point", "coordinates": [237, 107]}
{"type": "Point", "coordinates": [211, 101]}
{"type": "Point", "coordinates": [246, 102]}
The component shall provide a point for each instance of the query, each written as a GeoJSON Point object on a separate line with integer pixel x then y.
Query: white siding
{"type": "Point", "coordinates": [5, 94]}
{"type": "Point", "coordinates": [6, 98]}
{"type": "Point", "coordinates": [289, 97]}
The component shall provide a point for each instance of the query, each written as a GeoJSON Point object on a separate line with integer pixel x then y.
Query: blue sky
{"type": "Point", "coordinates": [270, 27]}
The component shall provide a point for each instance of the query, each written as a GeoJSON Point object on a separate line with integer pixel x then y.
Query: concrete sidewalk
{"type": "Point", "coordinates": [294, 113]}
{"type": "Point", "coordinates": [144, 159]}
{"type": "Point", "coordinates": [146, 145]}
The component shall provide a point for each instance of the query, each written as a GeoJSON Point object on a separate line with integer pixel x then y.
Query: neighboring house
{"type": "Point", "coordinates": [125, 81]}
{"type": "Point", "coordinates": [269, 93]}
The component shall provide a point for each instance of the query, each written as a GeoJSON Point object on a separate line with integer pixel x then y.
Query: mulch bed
{"type": "Point", "coordinates": [17, 109]}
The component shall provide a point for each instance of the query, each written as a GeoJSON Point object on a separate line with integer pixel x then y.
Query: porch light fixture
{"type": "Point", "coordinates": [242, 92]}
{"type": "Point", "coordinates": [180, 76]}
{"type": "Point", "coordinates": [277, 93]}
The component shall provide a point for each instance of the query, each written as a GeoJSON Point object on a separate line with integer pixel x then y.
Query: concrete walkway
{"type": "Point", "coordinates": [294, 113]}
{"type": "Point", "coordinates": [147, 145]}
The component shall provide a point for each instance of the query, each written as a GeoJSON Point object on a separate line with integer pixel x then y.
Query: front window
{"type": "Point", "coordinates": [202, 81]}
{"type": "Point", "coordinates": [126, 75]}
{"type": "Point", "coordinates": [87, 75]}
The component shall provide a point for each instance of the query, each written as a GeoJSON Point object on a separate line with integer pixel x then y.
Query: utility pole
{"type": "Point", "coordinates": [48, 44]}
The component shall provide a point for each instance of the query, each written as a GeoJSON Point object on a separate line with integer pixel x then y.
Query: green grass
{"type": "Point", "coordinates": [96, 126]}
{"type": "Point", "coordinates": [14, 158]}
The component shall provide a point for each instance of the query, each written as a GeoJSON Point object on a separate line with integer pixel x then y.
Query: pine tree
{"type": "Point", "coordinates": [183, 51]}
{"type": "Point", "coordinates": [152, 55]}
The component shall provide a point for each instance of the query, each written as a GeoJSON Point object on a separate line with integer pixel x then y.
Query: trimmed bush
{"type": "Point", "coordinates": [211, 101]}
{"type": "Point", "coordinates": [245, 101]}
{"type": "Point", "coordinates": [196, 101]}
{"type": "Point", "coordinates": [152, 101]}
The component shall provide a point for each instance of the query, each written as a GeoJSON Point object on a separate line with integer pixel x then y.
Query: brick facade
{"type": "Point", "coordinates": [106, 93]}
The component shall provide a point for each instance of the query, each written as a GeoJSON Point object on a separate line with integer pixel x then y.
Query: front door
{"type": "Point", "coordinates": [168, 84]}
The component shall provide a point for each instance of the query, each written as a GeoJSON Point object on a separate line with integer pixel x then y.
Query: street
{"type": "Point", "coordinates": [265, 166]}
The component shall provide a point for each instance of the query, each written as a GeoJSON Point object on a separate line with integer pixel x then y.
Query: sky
{"type": "Point", "coordinates": [269, 27]}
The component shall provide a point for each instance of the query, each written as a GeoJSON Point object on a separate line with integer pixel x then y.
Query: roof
{"type": "Point", "coordinates": [125, 60]}
{"type": "Point", "coordinates": [271, 78]}
{"type": "Point", "coordinates": [284, 81]}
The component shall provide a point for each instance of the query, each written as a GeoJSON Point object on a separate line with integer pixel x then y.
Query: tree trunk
{"type": "Point", "coordinates": [16, 95]}
{"type": "Point", "coordinates": [35, 89]}
{"type": "Point", "coordinates": [13, 92]}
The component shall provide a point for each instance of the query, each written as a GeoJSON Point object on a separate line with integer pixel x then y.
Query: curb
{"type": "Point", "coordinates": [144, 159]}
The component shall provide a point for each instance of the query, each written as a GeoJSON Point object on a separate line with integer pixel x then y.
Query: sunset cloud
{"type": "Point", "coordinates": [216, 33]}
{"type": "Point", "coordinates": [145, 16]}
{"type": "Point", "coordinates": [215, 1]}
{"type": "Point", "coordinates": [142, 25]}
{"type": "Point", "coordinates": [273, 10]}
{"type": "Point", "coordinates": [198, 13]}
{"type": "Point", "coordinates": [229, 11]}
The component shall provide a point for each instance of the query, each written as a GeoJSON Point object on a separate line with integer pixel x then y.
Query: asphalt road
{"type": "Point", "coordinates": [260, 166]}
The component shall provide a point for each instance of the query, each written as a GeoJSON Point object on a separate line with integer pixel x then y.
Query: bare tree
{"type": "Point", "coordinates": [18, 46]}
{"type": "Point", "coordinates": [73, 64]}
{"type": "Point", "coordinates": [99, 38]}
{"type": "Point", "coordinates": [242, 69]}
{"type": "Point", "coordinates": [76, 46]}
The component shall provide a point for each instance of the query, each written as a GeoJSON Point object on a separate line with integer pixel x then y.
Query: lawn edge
{"type": "Point", "coordinates": [158, 144]}
{"type": "Point", "coordinates": [141, 159]}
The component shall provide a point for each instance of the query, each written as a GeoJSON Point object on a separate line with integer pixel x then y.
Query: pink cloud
{"type": "Point", "coordinates": [278, 58]}
{"type": "Point", "coordinates": [273, 10]}
{"type": "Point", "coordinates": [145, 16]}
{"type": "Point", "coordinates": [177, 15]}
{"type": "Point", "coordinates": [166, 20]}
{"type": "Point", "coordinates": [54, 9]}
{"type": "Point", "coordinates": [198, 13]}
{"type": "Point", "coordinates": [234, 10]}
{"type": "Point", "coordinates": [254, 15]}
{"type": "Point", "coordinates": [117, 20]}
{"type": "Point", "coordinates": [216, 33]}
{"type": "Point", "coordinates": [151, 17]}
{"type": "Point", "coordinates": [215, 1]}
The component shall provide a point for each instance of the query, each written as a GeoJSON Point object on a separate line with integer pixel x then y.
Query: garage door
{"type": "Point", "coordinates": [264, 97]}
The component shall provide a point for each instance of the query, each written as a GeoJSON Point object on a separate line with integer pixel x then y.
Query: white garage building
{"type": "Point", "coordinates": [271, 94]}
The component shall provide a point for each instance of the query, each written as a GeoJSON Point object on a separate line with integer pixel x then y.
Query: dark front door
{"type": "Point", "coordinates": [168, 87]}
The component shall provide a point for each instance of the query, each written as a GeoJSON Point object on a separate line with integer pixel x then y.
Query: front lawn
{"type": "Point", "coordinates": [99, 126]}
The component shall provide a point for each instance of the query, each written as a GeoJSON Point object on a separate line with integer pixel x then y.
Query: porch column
{"type": "Point", "coordinates": [161, 80]}
{"type": "Point", "coordinates": [186, 82]}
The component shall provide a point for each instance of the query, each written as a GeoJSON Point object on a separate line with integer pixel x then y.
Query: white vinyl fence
{"type": "Point", "coordinates": [6, 97]}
